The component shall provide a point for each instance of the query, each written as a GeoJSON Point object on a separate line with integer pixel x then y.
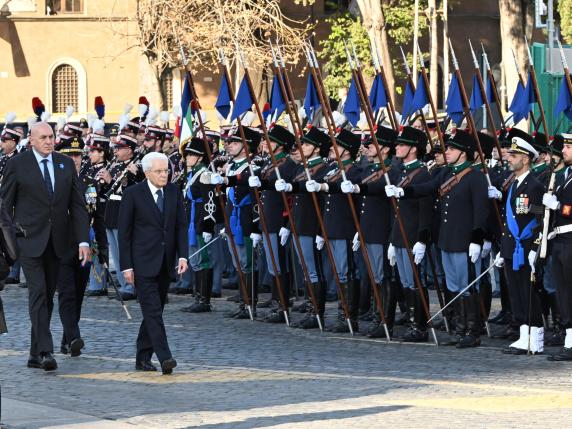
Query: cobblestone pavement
{"type": "Point", "coordinates": [238, 374]}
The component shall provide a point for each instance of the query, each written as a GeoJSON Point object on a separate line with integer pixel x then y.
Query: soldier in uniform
{"type": "Point", "coordinates": [201, 207]}
{"type": "Point", "coordinates": [313, 143]}
{"type": "Point", "coordinates": [376, 217]}
{"type": "Point", "coordinates": [560, 204]}
{"type": "Point", "coordinates": [241, 209]}
{"type": "Point", "coordinates": [281, 143]}
{"type": "Point", "coordinates": [464, 208]}
{"type": "Point", "coordinates": [416, 214]}
{"type": "Point", "coordinates": [518, 250]}
{"type": "Point", "coordinates": [541, 167]}
{"type": "Point", "coordinates": [123, 172]}
{"type": "Point", "coordinates": [340, 225]}
{"type": "Point", "coordinates": [72, 275]}
{"type": "Point", "coordinates": [99, 157]}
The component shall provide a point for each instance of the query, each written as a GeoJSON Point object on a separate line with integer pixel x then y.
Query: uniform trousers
{"type": "Point", "coordinates": [309, 255]}
{"type": "Point", "coordinates": [562, 276]}
{"type": "Point", "coordinates": [72, 281]}
{"type": "Point", "coordinates": [112, 240]}
{"type": "Point", "coordinates": [460, 271]}
{"type": "Point", "coordinates": [376, 258]}
{"type": "Point", "coordinates": [519, 288]}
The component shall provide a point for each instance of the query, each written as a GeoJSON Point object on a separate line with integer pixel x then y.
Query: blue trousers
{"type": "Point", "coordinates": [459, 271]}
{"type": "Point", "coordinates": [404, 268]}
{"type": "Point", "coordinates": [340, 251]}
{"type": "Point", "coordinates": [244, 255]}
{"type": "Point", "coordinates": [97, 276]}
{"type": "Point", "coordinates": [307, 247]}
{"type": "Point", "coordinates": [376, 255]}
{"type": "Point", "coordinates": [275, 251]}
{"type": "Point", "coordinates": [112, 240]}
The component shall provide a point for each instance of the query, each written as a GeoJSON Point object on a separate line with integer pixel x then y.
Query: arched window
{"type": "Point", "coordinates": [64, 88]}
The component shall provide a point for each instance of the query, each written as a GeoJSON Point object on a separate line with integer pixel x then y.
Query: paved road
{"type": "Point", "coordinates": [239, 374]}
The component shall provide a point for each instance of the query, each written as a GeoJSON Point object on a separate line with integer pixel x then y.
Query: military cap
{"type": "Point", "coordinates": [71, 144]}
{"type": "Point", "coordinates": [349, 141]}
{"type": "Point", "coordinates": [523, 144]}
{"type": "Point", "coordinates": [282, 137]}
{"type": "Point", "coordinates": [464, 141]}
{"type": "Point", "coordinates": [126, 141]}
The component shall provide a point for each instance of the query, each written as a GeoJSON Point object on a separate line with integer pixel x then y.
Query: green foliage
{"type": "Point", "coordinates": [565, 11]}
{"type": "Point", "coordinates": [333, 54]}
{"type": "Point", "coordinates": [400, 17]}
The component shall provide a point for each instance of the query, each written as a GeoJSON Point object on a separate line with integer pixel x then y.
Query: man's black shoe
{"type": "Point", "coordinates": [514, 351]}
{"type": "Point", "coordinates": [75, 347]}
{"type": "Point", "coordinates": [216, 295]}
{"type": "Point", "coordinates": [565, 354]}
{"type": "Point", "coordinates": [96, 292]}
{"type": "Point", "coordinates": [145, 366]}
{"type": "Point", "coordinates": [167, 366]}
{"type": "Point", "coordinates": [34, 362]}
{"type": "Point", "coordinates": [48, 362]}
{"type": "Point", "coordinates": [127, 296]}
{"type": "Point", "coordinates": [64, 349]}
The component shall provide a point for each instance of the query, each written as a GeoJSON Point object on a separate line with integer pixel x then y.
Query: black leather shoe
{"type": "Point", "coordinates": [64, 349]}
{"type": "Point", "coordinates": [75, 347]}
{"type": "Point", "coordinates": [275, 317]}
{"type": "Point", "coordinates": [216, 295]}
{"type": "Point", "coordinates": [167, 366]}
{"type": "Point", "coordinates": [145, 366]}
{"type": "Point", "coordinates": [565, 354]}
{"type": "Point", "coordinates": [514, 351]}
{"type": "Point", "coordinates": [127, 296]}
{"type": "Point", "coordinates": [48, 362]}
{"type": "Point", "coordinates": [34, 362]}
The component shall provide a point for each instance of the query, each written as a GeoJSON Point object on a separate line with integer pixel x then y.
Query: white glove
{"type": "Point", "coordinates": [222, 233]}
{"type": "Point", "coordinates": [348, 187]}
{"type": "Point", "coordinates": [355, 243]}
{"type": "Point", "coordinates": [551, 235]}
{"type": "Point", "coordinates": [474, 252]}
{"type": "Point", "coordinates": [494, 193]}
{"type": "Point", "coordinates": [391, 254]}
{"type": "Point", "coordinates": [487, 246]}
{"type": "Point", "coordinates": [499, 261]}
{"type": "Point", "coordinates": [254, 182]}
{"type": "Point", "coordinates": [320, 242]}
{"type": "Point", "coordinates": [312, 186]}
{"type": "Point", "coordinates": [207, 236]}
{"type": "Point", "coordinates": [394, 191]}
{"type": "Point", "coordinates": [550, 201]}
{"type": "Point", "coordinates": [419, 252]}
{"type": "Point", "coordinates": [256, 239]}
{"type": "Point", "coordinates": [281, 186]}
{"type": "Point", "coordinates": [284, 233]}
{"type": "Point", "coordinates": [532, 260]}
{"type": "Point", "coordinates": [210, 178]}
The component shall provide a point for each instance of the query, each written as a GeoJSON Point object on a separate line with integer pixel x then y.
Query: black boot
{"type": "Point", "coordinates": [404, 305]}
{"type": "Point", "coordinates": [388, 294]}
{"type": "Point", "coordinates": [252, 293]}
{"type": "Point", "coordinates": [486, 295]}
{"type": "Point", "coordinates": [418, 330]}
{"type": "Point", "coordinates": [472, 309]}
{"type": "Point", "coordinates": [197, 301]}
{"type": "Point", "coordinates": [310, 321]}
{"type": "Point", "coordinates": [559, 333]}
{"type": "Point", "coordinates": [205, 279]}
{"type": "Point", "coordinates": [341, 325]}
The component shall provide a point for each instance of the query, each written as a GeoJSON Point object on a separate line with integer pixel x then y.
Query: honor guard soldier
{"type": "Point", "coordinates": [541, 167]}
{"type": "Point", "coordinates": [281, 143]}
{"type": "Point", "coordinates": [376, 218]}
{"type": "Point", "coordinates": [201, 206]}
{"type": "Point", "coordinates": [122, 173]}
{"type": "Point", "coordinates": [339, 224]}
{"type": "Point", "coordinates": [560, 204]}
{"type": "Point", "coordinates": [518, 251]}
{"type": "Point", "coordinates": [315, 146]}
{"type": "Point", "coordinates": [241, 210]}
{"type": "Point", "coordinates": [99, 159]}
{"type": "Point", "coordinates": [72, 275]}
{"type": "Point", "coordinates": [9, 139]}
{"type": "Point", "coordinates": [417, 218]}
{"type": "Point", "coordinates": [463, 209]}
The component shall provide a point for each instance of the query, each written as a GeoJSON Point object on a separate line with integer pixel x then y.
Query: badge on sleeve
{"type": "Point", "coordinates": [567, 210]}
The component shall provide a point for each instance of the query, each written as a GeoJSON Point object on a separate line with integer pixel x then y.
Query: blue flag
{"type": "Point", "coordinates": [222, 104]}
{"type": "Point", "coordinates": [407, 102]}
{"type": "Point", "coordinates": [454, 101]}
{"type": "Point", "coordinates": [476, 100]}
{"type": "Point", "coordinates": [490, 91]}
{"type": "Point", "coordinates": [351, 107]}
{"type": "Point", "coordinates": [564, 102]}
{"type": "Point", "coordinates": [277, 103]}
{"type": "Point", "coordinates": [522, 101]}
{"type": "Point", "coordinates": [377, 95]}
{"type": "Point", "coordinates": [311, 100]}
{"type": "Point", "coordinates": [243, 101]}
{"type": "Point", "coordinates": [420, 99]}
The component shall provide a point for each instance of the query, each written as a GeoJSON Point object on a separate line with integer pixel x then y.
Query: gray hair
{"type": "Point", "coordinates": [148, 159]}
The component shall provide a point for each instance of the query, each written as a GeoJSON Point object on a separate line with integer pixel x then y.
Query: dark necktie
{"type": "Point", "coordinates": [160, 200]}
{"type": "Point", "coordinates": [48, 179]}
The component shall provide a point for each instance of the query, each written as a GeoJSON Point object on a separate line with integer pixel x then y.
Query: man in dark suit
{"type": "Point", "coordinates": [152, 231]}
{"type": "Point", "coordinates": [41, 191]}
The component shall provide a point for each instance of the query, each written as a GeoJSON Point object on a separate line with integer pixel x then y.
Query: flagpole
{"type": "Point", "coordinates": [536, 90]}
{"type": "Point", "coordinates": [366, 106]}
{"type": "Point", "coordinates": [377, 59]}
{"type": "Point", "coordinates": [255, 191]}
{"type": "Point", "coordinates": [521, 80]}
{"type": "Point", "coordinates": [494, 88]}
{"type": "Point", "coordinates": [486, 100]}
{"type": "Point", "coordinates": [431, 103]}
{"type": "Point", "coordinates": [241, 278]}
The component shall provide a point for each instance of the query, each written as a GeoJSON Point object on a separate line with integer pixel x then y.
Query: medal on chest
{"type": "Point", "coordinates": [522, 204]}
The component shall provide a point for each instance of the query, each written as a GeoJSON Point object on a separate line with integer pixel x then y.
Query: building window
{"type": "Point", "coordinates": [336, 6]}
{"type": "Point", "coordinates": [64, 88]}
{"type": "Point", "coordinates": [65, 6]}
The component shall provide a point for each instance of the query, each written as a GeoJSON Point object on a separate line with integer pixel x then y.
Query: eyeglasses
{"type": "Point", "coordinates": [166, 171]}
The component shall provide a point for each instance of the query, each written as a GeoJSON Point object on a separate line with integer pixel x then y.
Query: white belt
{"type": "Point", "coordinates": [560, 230]}
{"type": "Point", "coordinates": [115, 197]}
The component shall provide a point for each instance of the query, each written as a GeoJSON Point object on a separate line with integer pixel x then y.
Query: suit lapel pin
{"type": "Point", "coordinates": [62, 166]}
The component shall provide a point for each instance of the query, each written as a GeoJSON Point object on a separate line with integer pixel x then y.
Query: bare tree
{"type": "Point", "coordinates": [205, 26]}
